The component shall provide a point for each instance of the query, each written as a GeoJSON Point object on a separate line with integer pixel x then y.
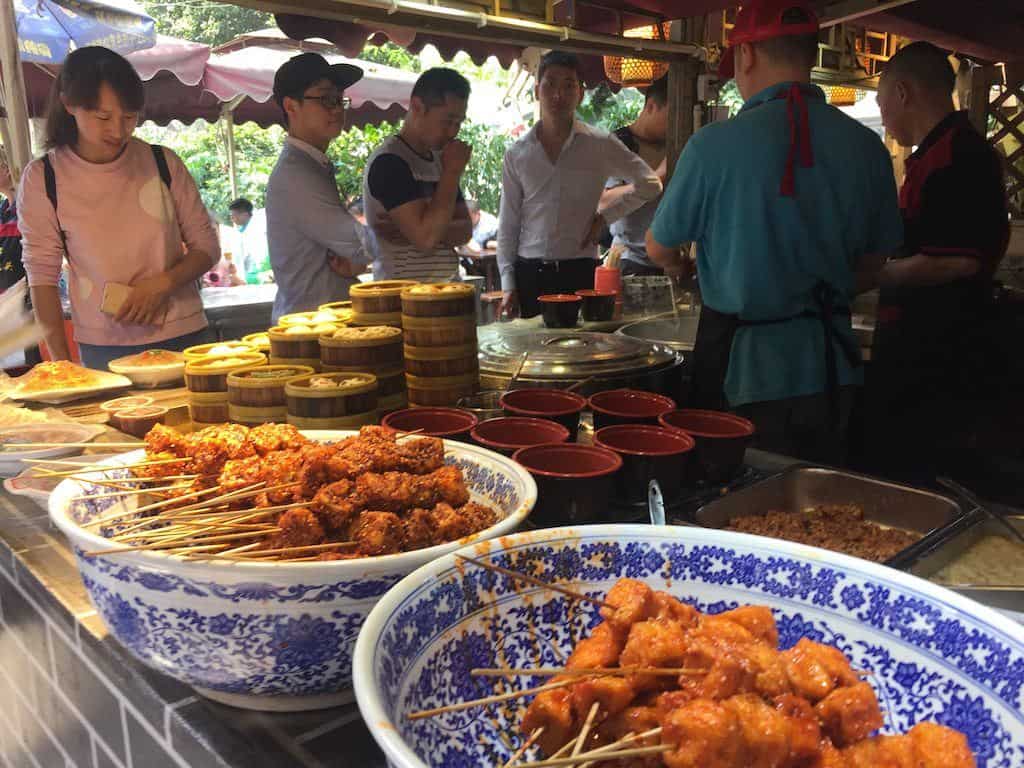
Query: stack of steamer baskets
{"type": "Point", "coordinates": [207, 381]}
{"type": "Point", "coordinates": [441, 362]}
{"type": "Point", "coordinates": [375, 349]}
{"type": "Point", "coordinates": [331, 400]}
{"type": "Point", "coordinates": [295, 340]}
{"type": "Point", "coordinates": [378, 302]}
{"type": "Point", "coordinates": [256, 395]}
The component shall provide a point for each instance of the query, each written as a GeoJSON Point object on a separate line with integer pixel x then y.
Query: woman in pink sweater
{"type": "Point", "coordinates": [121, 212]}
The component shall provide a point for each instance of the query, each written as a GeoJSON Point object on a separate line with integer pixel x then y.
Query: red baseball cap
{"type": "Point", "coordinates": [762, 20]}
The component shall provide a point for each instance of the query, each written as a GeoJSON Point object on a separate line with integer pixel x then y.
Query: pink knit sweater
{"type": "Point", "coordinates": [121, 225]}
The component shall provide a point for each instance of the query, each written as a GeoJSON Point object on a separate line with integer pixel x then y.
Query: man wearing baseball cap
{"type": "Point", "coordinates": [787, 201]}
{"type": "Point", "coordinates": [316, 246]}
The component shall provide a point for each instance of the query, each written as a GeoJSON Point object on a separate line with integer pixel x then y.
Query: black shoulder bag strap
{"type": "Point", "coordinates": [161, 164]}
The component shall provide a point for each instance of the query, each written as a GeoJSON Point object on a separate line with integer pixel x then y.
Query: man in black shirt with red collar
{"type": "Point", "coordinates": [933, 345]}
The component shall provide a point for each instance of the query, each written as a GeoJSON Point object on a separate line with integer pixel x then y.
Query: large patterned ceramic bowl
{"type": "Point", "coordinates": [935, 655]}
{"type": "Point", "coordinates": [272, 636]}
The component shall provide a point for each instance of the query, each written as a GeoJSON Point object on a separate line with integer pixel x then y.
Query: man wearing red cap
{"type": "Point", "coordinates": [786, 202]}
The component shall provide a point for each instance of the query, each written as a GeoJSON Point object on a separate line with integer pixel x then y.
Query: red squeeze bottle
{"type": "Point", "coordinates": [610, 279]}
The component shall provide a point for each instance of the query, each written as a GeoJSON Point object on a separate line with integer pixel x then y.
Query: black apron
{"type": "Point", "coordinates": [713, 346]}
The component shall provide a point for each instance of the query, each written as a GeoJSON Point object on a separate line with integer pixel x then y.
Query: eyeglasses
{"type": "Point", "coordinates": [331, 100]}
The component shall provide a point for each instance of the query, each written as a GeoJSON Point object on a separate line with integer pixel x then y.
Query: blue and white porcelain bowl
{"type": "Point", "coordinates": [935, 655]}
{"type": "Point", "coordinates": [269, 636]}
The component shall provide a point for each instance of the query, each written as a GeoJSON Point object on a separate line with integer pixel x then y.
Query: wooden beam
{"type": "Point", "coordinates": [20, 150]}
{"type": "Point", "coordinates": [978, 92]}
{"type": "Point", "coordinates": [682, 92]}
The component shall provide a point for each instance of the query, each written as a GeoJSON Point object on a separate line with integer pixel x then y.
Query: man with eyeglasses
{"type": "Point", "coordinates": [316, 246]}
{"type": "Point", "coordinates": [415, 211]}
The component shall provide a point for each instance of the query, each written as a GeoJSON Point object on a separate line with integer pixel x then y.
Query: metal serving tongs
{"type": "Point", "coordinates": [655, 503]}
{"type": "Point", "coordinates": [973, 500]}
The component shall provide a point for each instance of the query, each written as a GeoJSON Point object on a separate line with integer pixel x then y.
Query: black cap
{"type": "Point", "coordinates": [299, 72]}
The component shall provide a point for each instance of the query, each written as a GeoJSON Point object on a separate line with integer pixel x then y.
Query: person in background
{"type": "Point", "coordinates": [127, 216]}
{"type": "Point", "coordinates": [646, 137]}
{"type": "Point", "coordinates": [248, 239]}
{"type": "Point", "coordinates": [11, 268]}
{"type": "Point", "coordinates": [357, 210]}
{"type": "Point", "coordinates": [787, 202]}
{"type": "Point", "coordinates": [933, 346]}
{"type": "Point", "coordinates": [485, 227]}
{"type": "Point", "coordinates": [552, 211]}
{"type": "Point", "coordinates": [414, 208]}
{"type": "Point", "coordinates": [316, 246]}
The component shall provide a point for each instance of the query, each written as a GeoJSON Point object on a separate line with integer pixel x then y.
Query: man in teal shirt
{"type": "Point", "coordinates": [787, 203]}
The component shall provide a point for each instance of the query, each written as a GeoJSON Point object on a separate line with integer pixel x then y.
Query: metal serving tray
{"type": "Point", "coordinates": [885, 503]}
{"type": "Point", "coordinates": [954, 546]}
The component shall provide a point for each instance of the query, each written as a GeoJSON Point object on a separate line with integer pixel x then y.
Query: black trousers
{"type": "Point", "coordinates": [536, 278]}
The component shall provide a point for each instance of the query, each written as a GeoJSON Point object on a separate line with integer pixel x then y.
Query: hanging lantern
{"type": "Point", "coordinates": [638, 73]}
{"type": "Point", "coordinates": [843, 95]}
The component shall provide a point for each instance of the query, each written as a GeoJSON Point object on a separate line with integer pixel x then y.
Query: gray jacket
{"type": "Point", "coordinates": [305, 222]}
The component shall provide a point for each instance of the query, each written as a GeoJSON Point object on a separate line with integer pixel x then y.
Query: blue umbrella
{"type": "Point", "coordinates": [48, 30]}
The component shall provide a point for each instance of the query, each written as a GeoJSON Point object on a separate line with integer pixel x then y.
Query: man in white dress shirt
{"type": "Point", "coordinates": [552, 181]}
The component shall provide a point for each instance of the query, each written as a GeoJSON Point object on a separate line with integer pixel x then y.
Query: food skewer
{"type": "Point", "coordinates": [291, 550]}
{"type": "Point", "coordinates": [537, 733]}
{"type": "Point", "coordinates": [625, 741]}
{"type": "Point", "coordinates": [131, 492]}
{"type": "Point", "coordinates": [72, 445]}
{"type": "Point", "coordinates": [99, 522]}
{"type": "Point", "coordinates": [488, 700]}
{"type": "Point", "coordinates": [535, 581]}
{"type": "Point", "coordinates": [86, 469]}
{"type": "Point", "coordinates": [583, 671]}
{"type": "Point", "coordinates": [179, 543]}
{"type": "Point", "coordinates": [602, 753]}
{"type": "Point", "coordinates": [581, 739]}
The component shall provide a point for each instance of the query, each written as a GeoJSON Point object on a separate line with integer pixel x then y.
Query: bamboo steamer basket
{"type": "Point", "coordinates": [231, 348]}
{"type": "Point", "coordinates": [390, 380]}
{"type": "Point", "coordinates": [208, 407]}
{"type": "Point", "coordinates": [292, 346]}
{"type": "Point", "coordinates": [362, 348]}
{"type": "Point", "coordinates": [439, 300]}
{"type": "Point", "coordinates": [440, 390]}
{"type": "Point", "coordinates": [439, 331]}
{"type": "Point", "coordinates": [261, 389]}
{"type": "Point", "coordinates": [377, 318]}
{"type": "Point", "coordinates": [315, 317]}
{"type": "Point", "coordinates": [341, 309]}
{"type": "Point", "coordinates": [261, 341]}
{"type": "Point", "coordinates": [441, 361]}
{"type": "Point", "coordinates": [211, 374]}
{"type": "Point", "coordinates": [392, 402]}
{"type": "Point", "coordinates": [331, 407]}
{"type": "Point", "coordinates": [378, 297]}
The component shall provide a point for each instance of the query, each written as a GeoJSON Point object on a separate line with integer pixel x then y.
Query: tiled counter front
{"type": "Point", "coordinates": [72, 697]}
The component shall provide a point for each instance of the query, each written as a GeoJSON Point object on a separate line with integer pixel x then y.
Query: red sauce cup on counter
{"type": "Point", "coordinates": [574, 482]}
{"type": "Point", "coordinates": [722, 440]}
{"type": "Point", "coordinates": [542, 403]}
{"type": "Point", "coordinates": [452, 423]}
{"type": "Point", "coordinates": [560, 310]}
{"type": "Point", "coordinates": [508, 434]}
{"type": "Point", "coordinates": [628, 406]}
{"type": "Point", "coordinates": [648, 453]}
{"type": "Point", "coordinates": [598, 306]}
{"type": "Point", "coordinates": [138, 420]}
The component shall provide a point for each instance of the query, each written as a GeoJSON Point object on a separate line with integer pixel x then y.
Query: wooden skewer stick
{"type": "Point", "coordinates": [165, 478]}
{"type": "Point", "coordinates": [101, 521]}
{"type": "Point", "coordinates": [584, 671]}
{"type": "Point", "coordinates": [587, 757]}
{"type": "Point", "coordinates": [179, 543]}
{"type": "Point", "coordinates": [537, 733]}
{"type": "Point", "coordinates": [625, 741]}
{"type": "Point", "coordinates": [566, 748]}
{"type": "Point", "coordinates": [87, 470]}
{"type": "Point", "coordinates": [488, 700]}
{"type": "Point", "coordinates": [132, 492]}
{"type": "Point", "coordinates": [535, 581]}
{"type": "Point", "coordinates": [262, 553]}
{"type": "Point", "coordinates": [41, 446]}
{"type": "Point", "coordinates": [581, 739]}
{"type": "Point", "coordinates": [401, 435]}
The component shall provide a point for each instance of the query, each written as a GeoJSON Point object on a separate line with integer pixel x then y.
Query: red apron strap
{"type": "Point", "coordinates": [799, 139]}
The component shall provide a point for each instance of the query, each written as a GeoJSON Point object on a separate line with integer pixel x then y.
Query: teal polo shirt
{"type": "Point", "coordinates": [760, 254]}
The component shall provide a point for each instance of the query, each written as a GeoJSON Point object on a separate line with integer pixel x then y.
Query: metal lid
{"type": "Point", "coordinates": [560, 355]}
{"type": "Point", "coordinates": [677, 332]}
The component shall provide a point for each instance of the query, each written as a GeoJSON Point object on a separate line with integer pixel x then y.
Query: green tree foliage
{"type": "Point", "coordinates": [213, 24]}
{"type": "Point", "coordinates": [392, 55]}
{"type": "Point", "coordinates": [609, 111]}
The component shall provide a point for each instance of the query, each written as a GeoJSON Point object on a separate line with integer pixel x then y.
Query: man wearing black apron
{"type": "Point", "coordinates": [786, 202]}
{"type": "Point", "coordinates": [934, 346]}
